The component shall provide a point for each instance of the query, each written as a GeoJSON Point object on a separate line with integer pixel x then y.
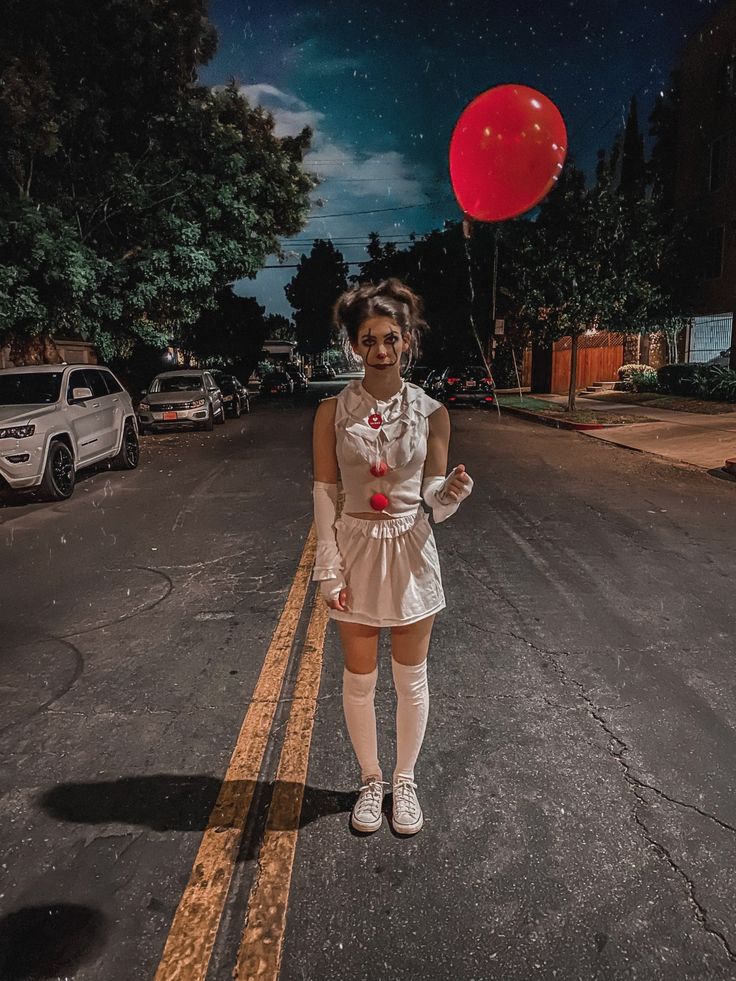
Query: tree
{"type": "Point", "coordinates": [454, 279]}
{"type": "Point", "coordinates": [230, 333]}
{"type": "Point", "coordinates": [633, 167]}
{"type": "Point", "coordinates": [384, 261]}
{"type": "Point", "coordinates": [662, 167]}
{"type": "Point", "coordinates": [279, 327]}
{"type": "Point", "coordinates": [153, 191]}
{"type": "Point", "coordinates": [680, 271]}
{"type": "Point", "coordinates": [592, 262]}
{"type": "Point", "coordinates": [320, 278]}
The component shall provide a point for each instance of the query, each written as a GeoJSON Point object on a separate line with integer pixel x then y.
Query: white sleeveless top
{"type": "Point", "coordinates": [397, 439]}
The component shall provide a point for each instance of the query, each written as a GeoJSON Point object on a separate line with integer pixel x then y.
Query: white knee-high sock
{"type": "Point", "coordinates": [412, 709]}
{"type": "Point", "coordinates": [358, 702]}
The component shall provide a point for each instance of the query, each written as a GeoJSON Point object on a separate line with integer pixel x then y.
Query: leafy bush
{"type": "Point", "coordinates": [643, 379]}
{"type": "Point", "coordinates": [625, 370]}
{"type": "Point", "coordinates": [638, 378]}
{"type": "Point", "coordinates": [716, 382]}
{"type": "Point", "coordinates": [678, 379]}
{"type": "Point", "coordinates": [705, 381]}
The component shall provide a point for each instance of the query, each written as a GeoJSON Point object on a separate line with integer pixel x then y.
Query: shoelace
{"type": "Point", "coordinates": [405, 800]}
{"type": "Point", "coordinates": [371, 797]}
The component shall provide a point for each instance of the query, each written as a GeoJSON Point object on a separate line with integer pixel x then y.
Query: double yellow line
{"type": "Point", "coordinates": [188, 949]}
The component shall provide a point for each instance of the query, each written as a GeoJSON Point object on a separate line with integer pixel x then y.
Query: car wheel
{"type": "Point", "coordinates": [220, 419]}
{"type": "Point", "coordinates": [209, 425]}
{"type": "Point", "coordinates": [129, 453]}
{"type": "Point", "coordinates": [58, 475]}
{"type": "Point", "coordinates": [246, 406]}
{"type": "Point", "coordinates": [237, 410]}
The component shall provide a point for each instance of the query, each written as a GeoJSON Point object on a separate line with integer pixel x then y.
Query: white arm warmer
{"type": "Point", "coordinates": [435, 497]}
{"type": "Point", "coordinates": [328, 561]}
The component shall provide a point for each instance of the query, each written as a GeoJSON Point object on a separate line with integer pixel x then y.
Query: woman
{"type": "Point", "coordinates": [377, 563]}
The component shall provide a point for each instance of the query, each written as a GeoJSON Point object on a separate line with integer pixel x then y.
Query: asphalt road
{"type": "Point", "coordinates": [578, 774]}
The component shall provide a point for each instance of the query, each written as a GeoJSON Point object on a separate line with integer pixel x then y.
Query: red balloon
{"type": "Point", "coordinates": [506, 152]}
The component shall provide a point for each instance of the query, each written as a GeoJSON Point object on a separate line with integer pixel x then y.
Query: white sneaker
{"type": "Point", "coordinates": [367, 814]}
{"type": "Point", "coordinates": [407, 817]}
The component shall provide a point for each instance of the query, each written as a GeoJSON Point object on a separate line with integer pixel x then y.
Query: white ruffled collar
{"type": "Point", "coordinates": [396, 438]}
{"type": "Point", "coordinates": [367, 397]}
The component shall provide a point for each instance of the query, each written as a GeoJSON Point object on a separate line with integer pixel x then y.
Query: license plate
{"type": "Point", "coordinates": [169, 416]}
{"type": "Point", "coordinates": [470, 384]}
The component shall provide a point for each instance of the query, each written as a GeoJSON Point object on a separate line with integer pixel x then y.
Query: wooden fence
{"type": "Point", "coordinates": [600, 355]}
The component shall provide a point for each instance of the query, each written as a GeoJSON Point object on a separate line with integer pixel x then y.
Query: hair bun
{"type": "Point", "coordinates": [389, 298]}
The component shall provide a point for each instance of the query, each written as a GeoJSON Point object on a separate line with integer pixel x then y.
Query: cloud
{"type": "Point", "coordinates": [353, 179]}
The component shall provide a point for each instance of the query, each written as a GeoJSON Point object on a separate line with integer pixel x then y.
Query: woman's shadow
{"type": "Point", "coordinates": [173, 802]}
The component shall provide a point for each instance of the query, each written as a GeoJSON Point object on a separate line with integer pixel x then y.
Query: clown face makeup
{"type": "Point", "coordinates": [380, 344]}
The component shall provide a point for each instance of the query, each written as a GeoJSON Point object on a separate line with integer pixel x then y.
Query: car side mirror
{"type": "Point", "coordinates": [81, 394]}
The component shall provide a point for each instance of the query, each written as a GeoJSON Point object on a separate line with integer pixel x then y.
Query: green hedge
{"type": "Point", "coordinates": [705, 381]}
{"type": "Point", "coordinates": [677, 379]}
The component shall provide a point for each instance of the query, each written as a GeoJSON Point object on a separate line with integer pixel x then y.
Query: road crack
{"type": "Point", "coordinates": [617, 747]}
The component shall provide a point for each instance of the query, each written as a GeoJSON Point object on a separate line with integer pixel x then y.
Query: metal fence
{"type": "Point", "coordinates": [709, 339]}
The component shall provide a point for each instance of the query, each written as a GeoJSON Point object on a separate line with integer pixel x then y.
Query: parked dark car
{"type": "Point", "coordinates": [418, 374]}
{"type": "Point", "coordinates": [432, 382]}
{"type": "Point", "coordinates": [465, 385]}
{"type": "Point", "coordinates": [276, 383]}
{"type": "Point", "coordinates": [301, 382]}
{"type": "Point", "coordinates": [234, 394]}
{"type": "Point", "coordinates": [323, 372]}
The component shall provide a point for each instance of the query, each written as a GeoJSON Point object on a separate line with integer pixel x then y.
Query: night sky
{"type": "Point", "coordinates": [382, 85]}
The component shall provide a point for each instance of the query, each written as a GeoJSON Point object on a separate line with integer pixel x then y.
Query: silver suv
{"type": "Point", "coordinates": [56, 419]}
{"type": "Point", "coordinates": [188, 397]}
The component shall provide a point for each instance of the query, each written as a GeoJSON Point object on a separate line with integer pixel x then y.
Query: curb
{"type": "Point", "coordinates": [556, 423]}
{"type": "Point", "coordinates": [728, 469]}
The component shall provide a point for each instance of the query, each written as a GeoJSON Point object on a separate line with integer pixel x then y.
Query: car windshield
{"type": "Point", "coordinates": [30, 387]}
{"type": "Point", "coordinates": [178, 383]}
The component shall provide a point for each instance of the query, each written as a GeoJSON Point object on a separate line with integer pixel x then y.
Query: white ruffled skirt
{"type": "Point", "coordinates": [392, 570]}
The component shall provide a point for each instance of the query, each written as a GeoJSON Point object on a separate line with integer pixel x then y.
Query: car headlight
{"type": "Point", "coordinates": [144, 405]}
{"type": "Point", "coordinates": [197, 404]}
{"type": "Point", "coordinates": [17, 432]}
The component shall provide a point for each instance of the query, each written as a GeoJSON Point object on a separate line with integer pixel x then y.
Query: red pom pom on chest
{"type": "Point", "coordinates": [379, 502]}
{"type": "Point", "coordinates": [379, 469]}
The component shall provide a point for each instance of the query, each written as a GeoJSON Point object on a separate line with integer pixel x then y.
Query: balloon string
{"type": "Point", "coordinates": [466, 241]}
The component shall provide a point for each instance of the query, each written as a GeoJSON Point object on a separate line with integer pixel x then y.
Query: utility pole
{"type": "Point", "coordinates": [494, 290]}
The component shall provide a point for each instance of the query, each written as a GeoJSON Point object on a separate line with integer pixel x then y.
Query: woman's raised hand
{"type": "Point", "coordinates": [459, 484]}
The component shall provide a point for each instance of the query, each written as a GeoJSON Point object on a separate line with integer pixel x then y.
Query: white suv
{"type": "Point", "coordinates": [56, 419]}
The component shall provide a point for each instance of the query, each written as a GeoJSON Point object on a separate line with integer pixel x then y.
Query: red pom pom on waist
{"type": "Point", "coordinates": [379, 502]}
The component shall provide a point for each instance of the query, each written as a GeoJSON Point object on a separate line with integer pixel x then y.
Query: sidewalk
{"type": "Point", "coordinates": [705, 441]}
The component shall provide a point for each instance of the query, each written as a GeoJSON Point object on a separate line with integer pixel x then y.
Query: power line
{"type": "Point", "coordinates": [378, 211]}
{"type": "Point", "coordinates": [296, 265]}
{"type": "Point", "coordinates": [346, 245]}
{"type": "Point", "coordinates": [386, 180]}
{"type": "Point", "coordinates": [344, 238]}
